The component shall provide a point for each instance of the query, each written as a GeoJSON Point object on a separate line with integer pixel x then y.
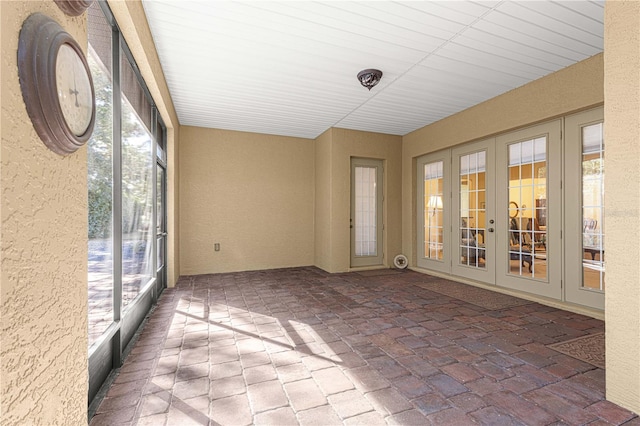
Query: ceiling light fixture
{"type": "Point", "coordinates": [369, 78]}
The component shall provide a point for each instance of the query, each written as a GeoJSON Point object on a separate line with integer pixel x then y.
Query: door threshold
{"type": "Point", "coordinates": [564, 305]}
{"type": "Point", "coordinates": [367, 268]}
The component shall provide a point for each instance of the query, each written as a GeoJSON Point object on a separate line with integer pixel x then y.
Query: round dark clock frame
{"type": "Point", "coordinates": [42, 44]}
{"type": "Point", "coordinates": [73, 7]}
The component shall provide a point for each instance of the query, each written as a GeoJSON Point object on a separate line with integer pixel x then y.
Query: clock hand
{"type": "Point", "coordinates": [74, 91]}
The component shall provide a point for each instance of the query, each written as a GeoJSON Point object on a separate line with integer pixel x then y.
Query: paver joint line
{"type": "Point", "coordinates": [299, 345]}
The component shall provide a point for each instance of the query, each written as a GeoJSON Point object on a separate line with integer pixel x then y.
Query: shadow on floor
{"type": "Point", "coordinates": [301, 346]}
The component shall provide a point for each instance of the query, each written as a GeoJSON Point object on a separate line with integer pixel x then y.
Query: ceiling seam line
{"type": "Point", "coordinates": [479, 18]}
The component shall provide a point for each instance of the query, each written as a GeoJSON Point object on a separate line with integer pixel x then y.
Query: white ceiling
{"type": "Point", "coordinates": [289, 67]}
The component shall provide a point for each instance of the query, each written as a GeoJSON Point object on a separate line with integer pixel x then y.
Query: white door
{"type": "Point", "coordinates": [434, 211]}
{"type": "Point", "coordinates": [366, 212]}
{"type": "Point", "coordinates": [472, 213]}
{"type": "Point", "coordinates": [529, 213]}
{"type": "Point", "coordinates": [584, 211]}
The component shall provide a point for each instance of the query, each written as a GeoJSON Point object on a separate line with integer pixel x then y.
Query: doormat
{"type": "Point", "coordinates": [378, 272]}
{"type": "Point", "coordinates": [587, 348]}
{"type": "Point", "coordinates": [487, 299]}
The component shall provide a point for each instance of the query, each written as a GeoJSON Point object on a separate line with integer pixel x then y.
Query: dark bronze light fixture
{"type": "Point", "coordinates": [369, 78]}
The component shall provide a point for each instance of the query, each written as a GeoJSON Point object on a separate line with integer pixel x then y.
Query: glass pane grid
{"type": "Point", "coordinates": [433, 210]}
{"type": "Point", "coordinates": [365, 218]}
{"type": "Point", "coordinates": [472, 207]}
{"type": "Point", "coordinates": [527, 209]}
{"type": "Point", "coordinates": [593, 271]}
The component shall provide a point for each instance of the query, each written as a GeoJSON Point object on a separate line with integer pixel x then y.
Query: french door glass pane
{"type": "Point", "coordinates": [100, 179]}
{"type": "Point", "coordinates": [593, 207]}
{"type": "Point", "coordinates": [472, 217]}
{"type": "Point", "coordinates": [160, 225]}
{"type": "Point", "coordinates": [160, 215]}
{"type": "Point", "coordinates": [433, 210]}
{"type": "Point", "coordinates": [365, 220]}
{"type": "Point", "coordinates": [527, 209]}
{"type": "Point", "coordinates": [160, 258]}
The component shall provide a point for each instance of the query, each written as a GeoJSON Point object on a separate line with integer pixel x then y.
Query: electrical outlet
{"type": "Point", "coordinates": [216, 246]}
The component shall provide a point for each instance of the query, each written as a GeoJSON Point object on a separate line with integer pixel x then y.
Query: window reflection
{"type": "Point", "coordinates": [137, 205]}
{"type": "Point", "coordinates": [100, 179]}
{"type": "Point", "coordinates": [138, 156]}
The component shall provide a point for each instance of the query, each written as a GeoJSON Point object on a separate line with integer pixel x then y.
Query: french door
{"type": "Point", "coordinates": [529, 213]}
{"type": "Point", "coordinates": [433, 207]}
{"type": "Point", "coordinates": [366, 212]}
{"type": "Point", "coordinates": [584, 211]}
{"type": "Point", "coordinates": [490, 211]}
{"type": "Point", "coordinates": [473, 213]}
{"type": "Point", "coordinates": [161, 227]}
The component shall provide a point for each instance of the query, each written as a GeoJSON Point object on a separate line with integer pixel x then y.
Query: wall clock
{"type": "Point", "coordinates": [56, 84]}
{"type": "Point", "coordinates": [73, 7]}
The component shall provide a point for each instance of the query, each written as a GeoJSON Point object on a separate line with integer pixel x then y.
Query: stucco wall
{"type": "Point", "coordinates": [43, 257]}
{"type": "Point", "coordinates": [622, 202]}
{"type": "Point", "coordinates": [571, 89]}
{"type": "Point", "coordinates": [134, 27]}
{"type": "Point", "coordinates": [346, 144]}
{"type": "Point", "coordinates": [252, 193]}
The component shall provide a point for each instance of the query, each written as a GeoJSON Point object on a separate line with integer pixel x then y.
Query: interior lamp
{"type": "Point", "coordinates": [434, 203]}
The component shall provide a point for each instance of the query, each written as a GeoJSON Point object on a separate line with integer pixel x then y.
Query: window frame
{"type": "Point", "coordinates": [108, 351]}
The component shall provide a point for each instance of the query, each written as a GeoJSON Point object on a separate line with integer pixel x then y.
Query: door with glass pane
{"type": "Point", "coordinates": [584, 212]}
{"type": "Point", "coordinates": [528, 214]}
{"type": "Point", "coordinates": [366, 212]}
{"type": "Point", "coordinates": [433, 207]}
{"type": "Point", "coordinates": [473, 220]}
{"type": "Point", "coordinates": [161, 228]}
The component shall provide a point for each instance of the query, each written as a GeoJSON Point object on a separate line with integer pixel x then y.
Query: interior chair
{"type": "Point", "coordinates": [591, 238]}
{"type": "Point", "coordinates": [589, 225]}
{"type": "Point", "coordinates": [537, 236]}
{"type": "Point", "coordinates": [519, 249]}
{"type": "Point", "coordinates": [471, 250]}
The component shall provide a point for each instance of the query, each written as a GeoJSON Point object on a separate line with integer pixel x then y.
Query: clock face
{"type": "Point", "coordinates": [56, 84]}
{"type": "Point", "coordinates": [74, 90]}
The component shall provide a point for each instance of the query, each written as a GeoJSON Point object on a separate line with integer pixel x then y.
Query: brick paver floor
{"type": "Point", "coordinates": [301, 346]}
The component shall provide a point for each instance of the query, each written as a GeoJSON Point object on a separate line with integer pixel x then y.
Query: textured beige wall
{"type": "Point", "coordinates": [622, 204]}
{"type": "Point", "coordinates": [173, 205]}
{"type": "Point", "coordinates": [569, 90]}
{"type": "Point", "coordinates": [322, 211]}
{"type": "Point", "coordinates": [134, 27]}
{"type": "Point", "coordinates": [252, 193]}
{"type": "Point", "coordinates": [43, 257]}
{"type": "Point", "coordinates": [350, 143]}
